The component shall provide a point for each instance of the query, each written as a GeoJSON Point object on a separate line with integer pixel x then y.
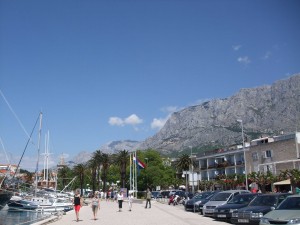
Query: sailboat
{"type": "Point", "coordinates": [5, 196]}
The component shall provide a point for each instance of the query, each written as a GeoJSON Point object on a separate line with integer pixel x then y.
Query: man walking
{"type": "Point", "coordinates": [148, 198]}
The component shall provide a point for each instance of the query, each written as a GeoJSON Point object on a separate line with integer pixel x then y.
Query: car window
{"type": "Point", "coordinates": [292, 203]}
{"type": "Point", "coordinates": [202, 195]}
{"type": "Point", "coordinates": [221, 197]}
{"type": "Point", "coordinates": [264, 200]}
{"type": "Point", "coordinates": [241, 199]}
{"type": "Point", "coordinates": [281, 198]}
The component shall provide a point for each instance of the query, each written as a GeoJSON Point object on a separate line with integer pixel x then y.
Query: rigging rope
{"type": "Point", "coordinates": [29, 138]}
{"type": "Point", "coordinates": [13, 112]}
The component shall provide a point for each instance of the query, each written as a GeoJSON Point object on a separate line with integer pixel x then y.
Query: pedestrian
{"type": "Point", "coordinates": [95, 204]}
{"type": "Point", "coordinates": [148, 198]}
{"type": "Point", "coordinates": [120, 198]}
{"type": "Point", "coordinates": [130, 200]}
{"type": "Point", "coordinates": [77, 203]}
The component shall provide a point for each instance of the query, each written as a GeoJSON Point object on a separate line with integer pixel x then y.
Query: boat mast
{"type": "Point", "coordinates": [38, 155]}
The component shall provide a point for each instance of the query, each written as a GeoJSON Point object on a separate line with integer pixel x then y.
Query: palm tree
{"type": "Point", "coordinates": [121, 160]}
{"type": "Point", "coordinates": [63, 175]}
{"type": "Point", "coordinates": [106, 160]}
{"type": "Point", "coordinates": [79, 170]}
{"type": "Point", "coordinates": [97, 156]}
{"type": "Point", "coordinates": [184, 162]}
{"type": "Point", "coordinates": [92, 165]}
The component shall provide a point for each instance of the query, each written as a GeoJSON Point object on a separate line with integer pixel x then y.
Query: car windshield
{"type": "Point", "coordinates": [241, 199]}
{"type": "Point", "coordinates": [155, 193]}
{"type": "Point", "coordinates": [221, 197]}
{"type": "Point", "coordinates": [264, 200]}
{"type": "Point", "coordinates": [291, 203]}
{"type": "Point", "coordinates": [201, 196]}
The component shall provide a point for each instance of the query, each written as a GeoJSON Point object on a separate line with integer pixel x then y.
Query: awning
{"type": "Point", "coordinates": [284, 182]}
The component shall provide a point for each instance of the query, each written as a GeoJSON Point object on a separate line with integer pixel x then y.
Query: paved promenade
{"type": "Point", "coordinates": [159, 214]}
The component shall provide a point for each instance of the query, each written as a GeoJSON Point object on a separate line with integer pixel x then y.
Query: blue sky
{"type": "Point", "coordinates": [114, 70]}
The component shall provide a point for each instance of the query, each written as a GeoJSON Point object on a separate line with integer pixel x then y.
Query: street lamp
{"type": "Point", "coordinates": [192, 169]}
{"type": "Point", "coordinates": [146, 159]}
{"type": "Point", "coordinates": [246, 176]}
{"type": "Point", "coordinates": [184, 174]}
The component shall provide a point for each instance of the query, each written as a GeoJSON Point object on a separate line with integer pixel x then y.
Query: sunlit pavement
{"type": "Point", "coordinates": [159, 213]}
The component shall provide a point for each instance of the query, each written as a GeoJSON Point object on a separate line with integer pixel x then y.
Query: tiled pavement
{"type": "Point", "coordinates": [159, 214]}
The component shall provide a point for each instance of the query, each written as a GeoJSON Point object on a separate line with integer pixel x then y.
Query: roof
{"type": "Point", "coordinates": [283, 182]}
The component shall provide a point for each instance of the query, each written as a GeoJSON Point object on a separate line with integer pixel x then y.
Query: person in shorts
{"type": "Point", "coordinates": [95, 204]}
{"type": "Point", "coordinates": [120, 198]}
{"type": "Point", "coordinates": [77, 204]}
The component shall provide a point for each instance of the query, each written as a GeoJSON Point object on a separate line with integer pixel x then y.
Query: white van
{"type": "Point", "coordinates": [220, 199]}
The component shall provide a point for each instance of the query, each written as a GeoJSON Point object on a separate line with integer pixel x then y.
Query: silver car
{"type": "Point", "coordinates": [288, 212]}
{"type": "Point", "coordinates": [220, 199]}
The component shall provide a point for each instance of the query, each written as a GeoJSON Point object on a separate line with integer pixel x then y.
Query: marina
{"type": "Point", "coordinates": [24, 217]}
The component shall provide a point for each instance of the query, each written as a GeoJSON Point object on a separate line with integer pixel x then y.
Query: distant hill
{"type": "Point", "coordinates": [116, 146]}
{"type": "Point", "coordinates": [265, 110]}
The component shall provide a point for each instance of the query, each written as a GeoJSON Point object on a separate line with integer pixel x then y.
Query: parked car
{"type": "Point", "coordinates": [261, 205]}
{"type": "Point", "coordinates": [224, 212]}
{"type": "Point", "coordinates": [190, 204]}
{"type": "Point", "coordinates": [165, 194]}
{"type": "Point", "coordinates": [201, 203]}
{"type": "Point", "coordinates": [156, 194]}
{"type": "Point", "coordinates": [221, 198]}
{"type": "Point", "coordinates": [288, 212]}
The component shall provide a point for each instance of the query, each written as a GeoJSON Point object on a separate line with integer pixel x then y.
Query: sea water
{"type": "Point", "coordinates": [10, 217]}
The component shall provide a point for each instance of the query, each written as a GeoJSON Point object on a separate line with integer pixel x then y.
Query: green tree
{"type": "Point", "coordinates": [183, 163]}
{"type": "Point", "coordinates": [262, 179]}
{"type": "Point", "coordinates": [92, 165]}
{"type": "Point", "coordinates": [106, 162]}
{"type": "Point", "coordinates": [98, 157]}
{"type": "Point", "coordinates": [121, 159]}
{"type": "Point", "coordinates": [80, 171]}
{"type": "Point", "coordinates": [293, 175]}
{"type": "Point", "coordinates": [64, 174]}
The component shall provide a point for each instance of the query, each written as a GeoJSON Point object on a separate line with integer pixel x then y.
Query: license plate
{"type": "Point", "coordinates": [221, 216]}
{"type": "Point", "coordinates": [209, 211]}
{"type": "Point", "coordinates": [243, 220]}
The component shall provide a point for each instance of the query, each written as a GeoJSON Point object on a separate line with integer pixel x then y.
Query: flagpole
{"type": "Point", "coordinates": [130, 172]}
{"type": "Point", "coordinates": [136, 174]}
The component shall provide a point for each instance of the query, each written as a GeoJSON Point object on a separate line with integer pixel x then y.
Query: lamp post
{"type": "Point", "coordinates": [192, 167]}
{"type": "Point", "coordinates": [246, 176]}
{"type": "Point", "coordinates": [146, 159]}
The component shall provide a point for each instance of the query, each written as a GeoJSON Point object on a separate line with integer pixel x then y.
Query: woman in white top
{"type": "Point", "coordinates": [95, 205]}
{"type": "Point", "coordinates": [130, 200]}
{"type": "Point", "coordinates": [120, 198]}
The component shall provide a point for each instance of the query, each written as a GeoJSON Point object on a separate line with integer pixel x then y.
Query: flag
{"type": "Point", "coordinates": [140, 164]}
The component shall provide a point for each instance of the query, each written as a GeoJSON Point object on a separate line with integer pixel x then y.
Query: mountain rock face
{"type": "Point", "coordinates": [265, 110]}
{"type": "Point", "coordinates": [116, 146]}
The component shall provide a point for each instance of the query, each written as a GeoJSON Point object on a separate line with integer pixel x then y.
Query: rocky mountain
{"type": "Point", "coordinates": [116, 146]}
{"type": "Point", "coordinates": [265, 110]}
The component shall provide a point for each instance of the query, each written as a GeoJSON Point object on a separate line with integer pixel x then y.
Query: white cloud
{"type": "Point", "coordinates": [158, 123]}
{"type": "Point", "coordinates": [244, 60]}
{"type": "Point", "coordinates": [267, 55]}
{"type": "Point", "coordinates": [130, 120]}
{"type": "Point", "coordinates": [116, 121]}
{"type": "Point", "coordinates": [133, 120]}
{"type": "Point", "coordinates": [236, 47]}
{"type": "Point", "coordinates": [170, 109]}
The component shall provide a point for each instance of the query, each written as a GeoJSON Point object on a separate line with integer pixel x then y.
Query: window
{"type": "Point", "coordinates": [267, 154]}
{"type": "Point", "coordinates": [254, 156]}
